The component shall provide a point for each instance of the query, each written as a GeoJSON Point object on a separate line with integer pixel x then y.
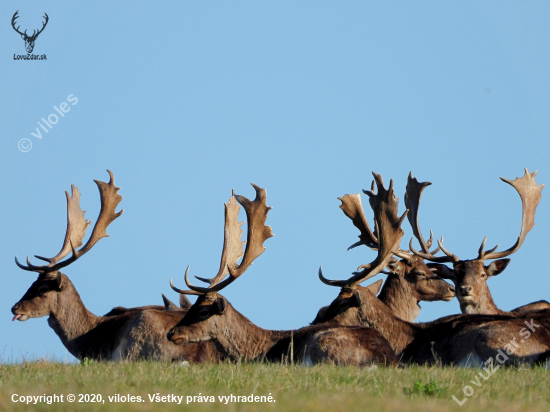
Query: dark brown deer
{"type": "Point", "coordinates": [453, 340]}
{"type": "Point", "coordinates": [212, 317]}
{"type": "Point", "coordinates": [470, 276]}
{"type": "Point", "coordinates": [409, 280]}
{"type": "Point", "coordinates": [460, 340]}
{"type": "Point", "coordinates": [29, 40]}
{"type": "Point", "coordinates": [132, 335]}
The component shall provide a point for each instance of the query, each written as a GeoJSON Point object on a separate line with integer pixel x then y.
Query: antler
{"type": "Point", "coordinates": [77, 226]}
{"type": "Point", "coordinates": [530, 194]}
{"type": "Point", "coordinates": [15, 16]}
{"type": "Point", "coordinates": [257, 234]}
{"type": "Point", "coordinates": [412, 202]}
{"type": "Point", "coordinates": [353, 208]}
{"type": "Point", "coordinates": [43, 27]}
{"type": "Point", "coordinates": [388, 227]}
{"type": "Point", "coordinates": [232, 244]}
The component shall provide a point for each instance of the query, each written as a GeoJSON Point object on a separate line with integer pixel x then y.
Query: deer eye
{"type": "Point", "coordinates": [419, 273]}
{"type": "Point", "coordinates": [203, 313]}
{"type": "Point", "coordinates": [483, 275]}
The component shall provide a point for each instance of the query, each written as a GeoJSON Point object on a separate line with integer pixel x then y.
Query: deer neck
{"type": "Point", "coordinates": [375, 314]}
{"type": "Point", "coordinates": [70, 319]}
{"type": "Point", "coordinates": [239, 338]}
{"type": "Point", "coordinates": [399, 297]}
{"type": "Point", "coordinates": [483, 305]}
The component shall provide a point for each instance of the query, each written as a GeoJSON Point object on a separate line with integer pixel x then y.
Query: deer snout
{"type": "Point", "coordinates": [465, 290]}
{"type": "Point", "coordinates": [175, 337]}
{"type": "Point", "coordinates": [18, 316]}
{"type": "Point", "coordinates": [450, 294]}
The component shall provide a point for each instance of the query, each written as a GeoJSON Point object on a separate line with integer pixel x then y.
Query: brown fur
{"type": "Point", "coordinates": [455, 338]}
{"type": "Point", "coordinates": [133, 335]}
{"type": "Point", "coordinates": [470, 279]}
{"type": "Point", "coordinates": [410, 282]}
{"type": "Point", "coordinates": [212, 317]}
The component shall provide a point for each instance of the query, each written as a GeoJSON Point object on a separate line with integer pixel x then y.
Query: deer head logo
{"type": "Point", "coordinates": [29, 40]}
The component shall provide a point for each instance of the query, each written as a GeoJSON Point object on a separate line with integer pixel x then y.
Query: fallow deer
{"type": "Point", "coordinates": [130, 336]}
{"type": "Point", "coordinates": [453, 340]}
{"type": "Point", "coordinates": [212, 317]}
{"type": "Point", "coordinates": [409, 280]}
{"type": "Point", "coordinates": [470, 276]}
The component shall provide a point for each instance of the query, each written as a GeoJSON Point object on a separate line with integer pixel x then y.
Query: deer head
{"type": "Point", "coordinates": [47, 291]}
{"type": "Point", "coordinates": [211, 313]}
{"type": "Point", "coordinates": [385, 241]}
{"type": "Point", "coordinates": [470, 276]}
{"type": "Point", "coordinates": [408, 277]}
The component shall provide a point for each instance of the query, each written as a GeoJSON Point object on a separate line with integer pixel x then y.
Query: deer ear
{"type": "Point", "coordinates": [58, 280]}
{"type": "Point", "coordinates": [184, 302]}
{"type": "Point", "coordinates": [374, 288]}
{"type": "Point", "coordinates": [168, 304]}
{"type": "Point", "coordinates": [393, 265]}
{"type": "Point", "coordinates": [496, 267]}
{"type": "Point", "coordinates": [443, 271]}
{"type": "Point", "coordinates": [220, 306]}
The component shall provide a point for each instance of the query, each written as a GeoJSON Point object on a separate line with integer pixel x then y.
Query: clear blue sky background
{"type": "Point", "coordinates": [184, 101]}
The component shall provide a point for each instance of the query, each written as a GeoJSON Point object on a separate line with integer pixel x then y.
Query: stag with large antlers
{"type": "Point", "coordinates": [470, 276]}
{"type": "Point", "coordinates": [409, 280]}
{"type": "Point", "coordinates": [29, 40]}
{"type": "Point", "coordinates": [212, 317]}
{"type": "Point", "coordinates": [458, 339]}
{"type": "Point", "coordinates": [135, 334]}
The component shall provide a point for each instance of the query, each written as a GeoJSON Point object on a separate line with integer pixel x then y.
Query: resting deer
{"type": "Point", "coordinates": [458, 339]}
{"type": "Point", "coordinates": [132, 335]}
{"type": "Point", "coordinates": [470, 276]}
{"type": "Point", "coordinates": [212, 317]}
{"type": "Point", "coordinates": [409, 280]}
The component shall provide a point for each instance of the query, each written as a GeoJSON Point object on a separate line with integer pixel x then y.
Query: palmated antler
{"type": "Point", "coordinates": [257, 234]}
{"type": "Point", "coordinates": [530, 194]}
{"type": "Point", "coordinates": [353, 208]}
{"type": "Point", "coordinates": [77, 226]}
{"type": "Point", "coordinates": [412, 202]}
{"type": "Point", "coordinates": [388, 227]}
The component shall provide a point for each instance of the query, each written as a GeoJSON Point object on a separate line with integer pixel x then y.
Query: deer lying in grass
{"type": "Point", "coordinates": [470, 276]}
{"type": "Point", "coordinates": [409, 280]}
{"type": "Point", "coordinates": [453, 340]}
{"type": "Point", "coordinates": [212, 317]}
{"type": "Point", "coordinates": [129, 336]}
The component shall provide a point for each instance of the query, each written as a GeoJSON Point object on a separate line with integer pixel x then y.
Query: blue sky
{"type": "Point", "coordinates": [184, 101]}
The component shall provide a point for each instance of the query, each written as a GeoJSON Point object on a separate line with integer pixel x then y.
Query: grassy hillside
{"type": "Point", "coordinates": [294, 388]}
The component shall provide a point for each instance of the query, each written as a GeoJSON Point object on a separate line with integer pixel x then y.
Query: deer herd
{"type": "Point", "coordinates": [362, 326]}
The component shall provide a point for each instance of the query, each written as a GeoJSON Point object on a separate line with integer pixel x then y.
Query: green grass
{"type": "Point", "coordinates": [295, 388]}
